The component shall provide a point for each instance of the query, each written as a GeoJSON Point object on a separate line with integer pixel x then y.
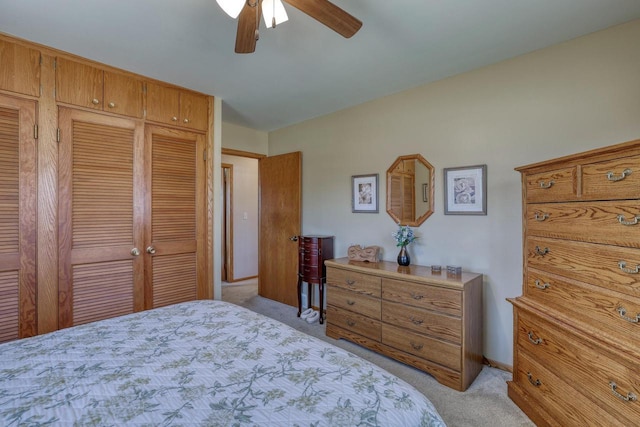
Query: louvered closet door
{"type": "Point", "coordinates": [17, 219]}
{"type": "Point", "coordinates": [175, 234]}
{"type": "Point", "coordinates": [101, 201]}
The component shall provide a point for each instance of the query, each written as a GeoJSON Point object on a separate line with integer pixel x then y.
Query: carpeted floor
{"type": "Point", "coordinates": [485, 403]}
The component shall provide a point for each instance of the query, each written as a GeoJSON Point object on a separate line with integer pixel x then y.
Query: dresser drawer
{"type": "Point", "coordinates": [423, 321]}
{"type": "Point", "coordinates": [354, 302]}
{"type": "Point", "coordinates": [354, 281]}
{"type": "Point", "coordinates": [566, 406]}
{"type": "Point", "coordinates": [609, 267]}
{"type": "Point", "coordinates": [616, 314]}
{"type": "Point", "coordinates": [354, 322]}
{"type": "Point", "coordinates": [441, 352]}
{"type": "Point", "coordinates": [306, 257]}
{"type": "Point", "coordinates": [615, 223]}
{"type": "Point", "coordinates": [552, 186]}
{"type": "Point", "coordinates": [434, 298]}
{"type": "Point", "coordinates": [599, 374]}
{"type": "Point", "coordinates": [612, 179]}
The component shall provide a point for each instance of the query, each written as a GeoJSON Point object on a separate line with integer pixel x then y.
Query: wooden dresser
{"type": "Point", "coordinates": [312, 252]}
{"type": "Point", "coordinates": [577, 324]}
{"type": "Point", "coordinates": [430, 321]}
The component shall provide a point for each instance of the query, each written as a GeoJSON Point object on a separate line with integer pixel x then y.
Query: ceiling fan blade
{"type": "Point", "coordinates": [329, 14]}
{"type": "Point", "coordinates": [248, 23]}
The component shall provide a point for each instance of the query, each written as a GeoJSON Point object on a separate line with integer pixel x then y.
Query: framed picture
{"type": "Point", "coordinates": [465, 190]}
{"type": "Point", "coordinates": [364, 193]}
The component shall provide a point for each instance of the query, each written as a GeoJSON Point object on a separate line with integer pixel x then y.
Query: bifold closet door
{"type": "Point", "coordinates": [17, 218]}
{"type": "Point", "coordinates": [101, 207]}
{"type": "Point", "coordinates": [175, 210]}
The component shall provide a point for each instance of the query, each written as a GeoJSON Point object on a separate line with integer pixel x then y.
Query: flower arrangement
{"type": "Point", "coordinates": [404, 235]}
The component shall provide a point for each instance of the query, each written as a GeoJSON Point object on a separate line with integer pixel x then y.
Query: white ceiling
{"type": "Point", "coordinates": [302, 69]}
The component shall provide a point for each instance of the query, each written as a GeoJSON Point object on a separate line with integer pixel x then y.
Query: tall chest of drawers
{"type": "Point", "coordinates": [577, 324]}
{"type": "Point", "coordinates": [430, 321]}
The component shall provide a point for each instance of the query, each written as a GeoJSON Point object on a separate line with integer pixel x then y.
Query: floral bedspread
{"type": "Point", "coordinates": [198, 363]}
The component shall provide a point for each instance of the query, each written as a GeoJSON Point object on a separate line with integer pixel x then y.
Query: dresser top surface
{"type": "Point", "coordinates": [419, 273]}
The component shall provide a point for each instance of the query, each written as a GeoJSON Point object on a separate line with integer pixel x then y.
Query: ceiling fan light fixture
{"type": "Point", "coordinates": [273, 9]}
{"type": "Point", "coordinates": [231, 7]}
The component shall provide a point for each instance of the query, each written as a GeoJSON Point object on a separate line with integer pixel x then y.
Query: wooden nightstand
{"type": "Point", "coordinates": [312, 252]}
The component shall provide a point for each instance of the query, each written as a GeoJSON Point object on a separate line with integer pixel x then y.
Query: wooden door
{"type": "Point", "coordinates": [79, 84]}
{"type": "Point", "coordinates": [163, 104]}
{"type": "Point", "coordinates": [175, 233]}
{"type": "Point", "coordinates": [122, 94]}
{"type": "Point", "coordinates": [280, 216]}
{"type": "Point", "coordinates": [17, 219]}
{"type": "Point", "coordinates": [194, 110]}
{"type": "Point", "coordinates": [20, 70]}
{"type": "Point", "coordinates": [101, 202]}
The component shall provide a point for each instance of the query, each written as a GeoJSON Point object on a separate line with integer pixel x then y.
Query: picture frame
{"type": "Point", "coordinates": [364, 193]}
{"type": "Point", "coordinates": [465, 190]}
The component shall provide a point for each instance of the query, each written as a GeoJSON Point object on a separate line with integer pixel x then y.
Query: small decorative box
{"type": "Point", "coordinates": [454, 270]}
{"type": "Point", "coordinates": [436, 269]}
{"type": "Point", "coordinates": [367, 254]}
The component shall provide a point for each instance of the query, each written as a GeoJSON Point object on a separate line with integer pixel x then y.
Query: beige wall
{"type": "Point", "coordinates": [564, 99]}
{"type": "Point", "coordinates": [244, 139]}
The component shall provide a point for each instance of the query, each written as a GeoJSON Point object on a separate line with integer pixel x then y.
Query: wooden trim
{"type": "Point", "coordinates": [241, 279]}
{"type": "Point", "coordinates": [498, 365]}
{"type": "Point", "coordinates": [211, 206]}
{"type": "Point", "coordinates": [47, 200]}
{"type": "Point", "coordinates": [239, 153]}
{"type": "Point", "coordinates": [228, 233]}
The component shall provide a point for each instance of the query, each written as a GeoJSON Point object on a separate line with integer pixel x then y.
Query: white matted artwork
{"type": "Point", "coordinates": [465, 190]}
{"type": "Point", "coordinates": [364, 193]}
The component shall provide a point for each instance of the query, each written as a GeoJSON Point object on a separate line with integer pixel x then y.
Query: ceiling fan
{"type": "Point", "coordinates": [273, 11]}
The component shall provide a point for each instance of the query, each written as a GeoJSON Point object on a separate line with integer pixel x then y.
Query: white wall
{"type": "Point", "coordinates": [245, 216]}
{"type": "Point", "coordinates": [564, 99]}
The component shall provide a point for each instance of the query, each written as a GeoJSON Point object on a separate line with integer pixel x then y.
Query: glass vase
{"type": "Point", "coordinates": [403, 257]}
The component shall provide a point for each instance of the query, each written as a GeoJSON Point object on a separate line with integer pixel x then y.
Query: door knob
{"type": "Point", "coordinates": [151, 250]}
{"type": "Point", "coordinates": [135, 251]}
{"type": "Point", "coordinates": [293, 238]}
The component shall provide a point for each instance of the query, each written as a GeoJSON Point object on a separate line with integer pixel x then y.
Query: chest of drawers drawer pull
{"type": "Point", "coordinates": [546, 185]}
{"type": "Point", "coordinates": [350, 282]}
{"type": "Point", "coordinates": [535, 383]}
{"type": "Point", "coordinates": [612, 177]}
{"type": "Point", "coordinates": [623, 314]}
{"type": "Point", "coordinates": [416, 296]}
{"type": "Point", "coordinates": [541, 217]}
{"type": "Point", "coordinates": [630, 397]}
{"type": "Point", "coordinates": [623, 267]}
{"type": "Point", "coordinates": [536, 341]}
{"type": "Point", "coordinates": [416, 346]}
{"type": "Point", "coordinates": [416, 321]}
{"type": "Point", "coordinates": [351, 323]}
{"type": "Point", "coordinates": [350, 302]}
{"type": "Point", "coordinates": [623, 221]}
{"type": "Point", "coordinates": [541, 252]}
{"type": "Point", "coordinates": [542, 286]}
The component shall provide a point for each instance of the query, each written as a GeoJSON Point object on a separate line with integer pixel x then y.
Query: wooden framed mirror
{"type": "Point", "coordinates": [410, 182]}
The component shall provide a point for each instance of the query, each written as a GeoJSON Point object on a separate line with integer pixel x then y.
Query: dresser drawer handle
{"type": "Point", "coordinates": [623, 314]}
{"type": "Point", "coordinates": [536, 383]}
{"type": "Point", "coordinates": [542, 217]}
{"type": "Point", "coordinates": [417, 297]}
{"type": "Point", "coordinates": [350, 302]}
{"type": "Point", "coordinates": [351, 323]}
{"type": "Point", "coordinates": [623, 267]}
{"type": "Point", "coordinates": [416, 346]}
{"type": "Point", "coordinates": [541, 252]}
{"type": "Point", "coordinates": [542, 286]}
{"type": "Point", "coordinates": [416, 321]}
{"type": "Point", "coordinates": [633, 221]}
{"type": "Point", "coordinates": [630, 397]}
{"type": "Point", "coordinates": [350, 282]}
{"type": "Point", "coordinates": [613, 178]}
{"type": "Point", "coordinates": [536, 341]}
{"type": "Point", "coordinates": [547, 185]}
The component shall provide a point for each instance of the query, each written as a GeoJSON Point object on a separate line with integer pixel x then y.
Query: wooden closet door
{"type": "Point", "coordinates": [17, 218]}
{"type": "Point", "coordinates": [101, 209]}
{"type": "Point", "coordinates": [175, 232]}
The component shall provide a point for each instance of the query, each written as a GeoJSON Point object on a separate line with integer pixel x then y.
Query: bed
{"type": "Point", "coordinates": [198, 363]}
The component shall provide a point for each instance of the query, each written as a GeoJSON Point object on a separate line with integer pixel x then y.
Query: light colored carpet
{"type": "Point", "coordinates": [484, 404]}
